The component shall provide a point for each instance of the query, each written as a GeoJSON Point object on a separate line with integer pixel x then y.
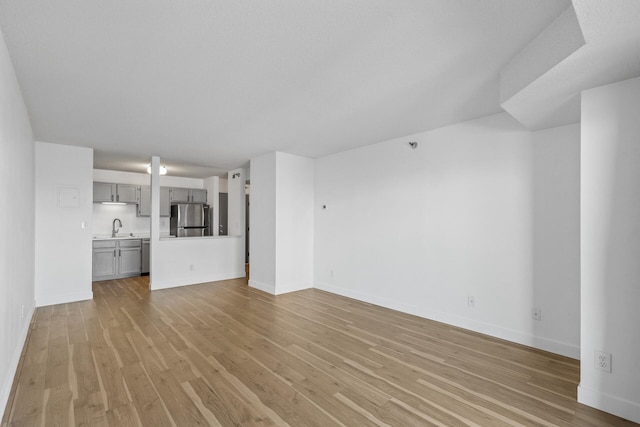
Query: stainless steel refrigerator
{"type": "Point", "coordinates": [188, 220]}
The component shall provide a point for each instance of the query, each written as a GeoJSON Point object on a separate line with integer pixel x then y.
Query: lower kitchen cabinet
{"type": "Point", "coordinates": [114, 259]}
{"type": "Point", "coordinates": [104, 259]}
{"type": "Point", "coordinates": [129, 257]}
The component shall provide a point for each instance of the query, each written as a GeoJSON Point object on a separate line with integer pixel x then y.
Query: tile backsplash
{"type": "Point", "coordinates": [103, 216]}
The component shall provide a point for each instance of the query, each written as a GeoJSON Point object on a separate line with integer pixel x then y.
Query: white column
{"type": "Point", "coordinates": [282, 202]}
{"type": "Point", "coordinates": [610, 248]}
{"type": "Point", "coordinates": [263, 223]}
{"type": "Point", "coordinates": [154, 240]}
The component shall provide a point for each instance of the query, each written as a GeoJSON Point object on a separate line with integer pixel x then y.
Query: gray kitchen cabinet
{"type": "Point", "coordinates": [114, 259]}
{"type": "Point", "coordinates": [104, 192]}
{"type": "Point", "coordinates": [198, 196]}
{"type": "Point", "coordinates": [129, 257]}
{"type": "Point", "coordinates": [109, 192]}
{"type": "Point", "coordinates": [165, 204]}
{"type": "Point", "coordinates": [126, 193]}
{"type": "Point", "coordinates": [188, 195]}
{"type": "Point", "coordinates": [179, 195]}
{"type": "Point", "coordinates": [144, 205]}
{"type": "Point", "coordinates": [104, 260]}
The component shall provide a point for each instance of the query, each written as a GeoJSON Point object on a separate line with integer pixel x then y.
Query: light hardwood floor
{"type": "Point", "coordinates": [225, 354]}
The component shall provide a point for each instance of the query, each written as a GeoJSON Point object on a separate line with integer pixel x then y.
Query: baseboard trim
{"type": "Point", "coordinates": [262, 287]}
{"type": "Point", "coordinates": [609, 403]}
{"type": "Point", "coordinates": [15, 362]}
{"type": "Point", "coordinates": [552, 346]}
{"type": "Point", "coordinates": [292, 287]}
{"type": "Point", "coordinates": [64, 298]}
{"type": "Point", "coordinates": [156, 285]}
{"type": "Point", "coordinates": [279, 289]}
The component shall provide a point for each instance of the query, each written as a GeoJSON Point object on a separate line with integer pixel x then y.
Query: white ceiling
{"type": "Point", "coordinates": [214, 83]}
{"type": "Point", "coordinates": [593, 43]}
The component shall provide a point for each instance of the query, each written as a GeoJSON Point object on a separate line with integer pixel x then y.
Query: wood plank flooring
{"type": "Point", "coordinates": [223, 354]}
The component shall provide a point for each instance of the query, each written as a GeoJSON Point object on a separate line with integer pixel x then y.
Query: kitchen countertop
{"type": "Point", "coordinates": [162, 237]}
{"type": "Point", "coordinates": [128, 237]}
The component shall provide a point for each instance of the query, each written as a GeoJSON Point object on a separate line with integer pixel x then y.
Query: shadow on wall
{"type": "Point", "coordinates": [555, 296]}
{"type": "Point", "coordinates": [610, 249]}
{"type": "Point", "coordinates": [618, 285]}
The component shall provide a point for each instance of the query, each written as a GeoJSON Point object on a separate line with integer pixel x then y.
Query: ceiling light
{"type": "Point", "coordinates": [163, 170]}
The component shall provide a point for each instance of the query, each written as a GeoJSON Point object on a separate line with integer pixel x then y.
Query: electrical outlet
{"type": "Point", "coordinates": [536, 313]}
{"type": "Point", "coordinates": [332, 274]}
{"type": "Point", "coordinates": [603, 361]}
{"type": "Point", "coordinates": [22, 311]}
{"type": "Point", "coordinates": [471, 301]}
{"type": "Point", "coordinates": [191, 267]}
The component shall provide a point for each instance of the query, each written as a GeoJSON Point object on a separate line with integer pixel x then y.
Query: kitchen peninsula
{"type": "Point", "coordinates": [128, 256]}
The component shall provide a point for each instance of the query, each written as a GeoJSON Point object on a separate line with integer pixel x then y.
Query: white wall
{"type": "Point", "coordinates": [281, 219]}
{"type": "Point", "coordinates": [212, 185]}
{"type": "Point", "coordinates": [188, 261]}
{"type": "Point", "coordinates": [556, 234]}
{"type": "Point", "coordinates": [421, 230]}
{"type": "Point", "coordinates": [236, 203]}
{"type": "Point", "coordinates": [63, 242]}
{"type": "Point", "coordinates": [102, 175]}
{"type": "Point", "coordinates": [262, 218]}
{"type": "Point", "coordinates": [17, 258]}
{"type": "Point", "coordinates": [294, 222]}
{"type": "Point", "coordinates": [224, 185]}
{"type": "Point", "coordinates": [610, 256]}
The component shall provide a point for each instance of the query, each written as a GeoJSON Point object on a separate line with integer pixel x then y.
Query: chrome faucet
{"type": "Point", "coordinates": [114, 232]}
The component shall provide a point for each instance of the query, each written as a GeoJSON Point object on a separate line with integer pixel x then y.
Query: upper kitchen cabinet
{"type": "Point", "coordinates": [198, 196]}
{"type": "Point", "coordinates": [127, 193]}
{"type": "Point", "coordinates": [165, 205]}
{"type": "Point", "coordinates": [179, 195]}
{"type": "Point", "coordinates": [104, 192]}
{"type": "Point", "coordinates": [186, 195]}
{"type": "Point", "coordinates": [109, 192]}
{"type": "Point", "coordinates": [144, 207]}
